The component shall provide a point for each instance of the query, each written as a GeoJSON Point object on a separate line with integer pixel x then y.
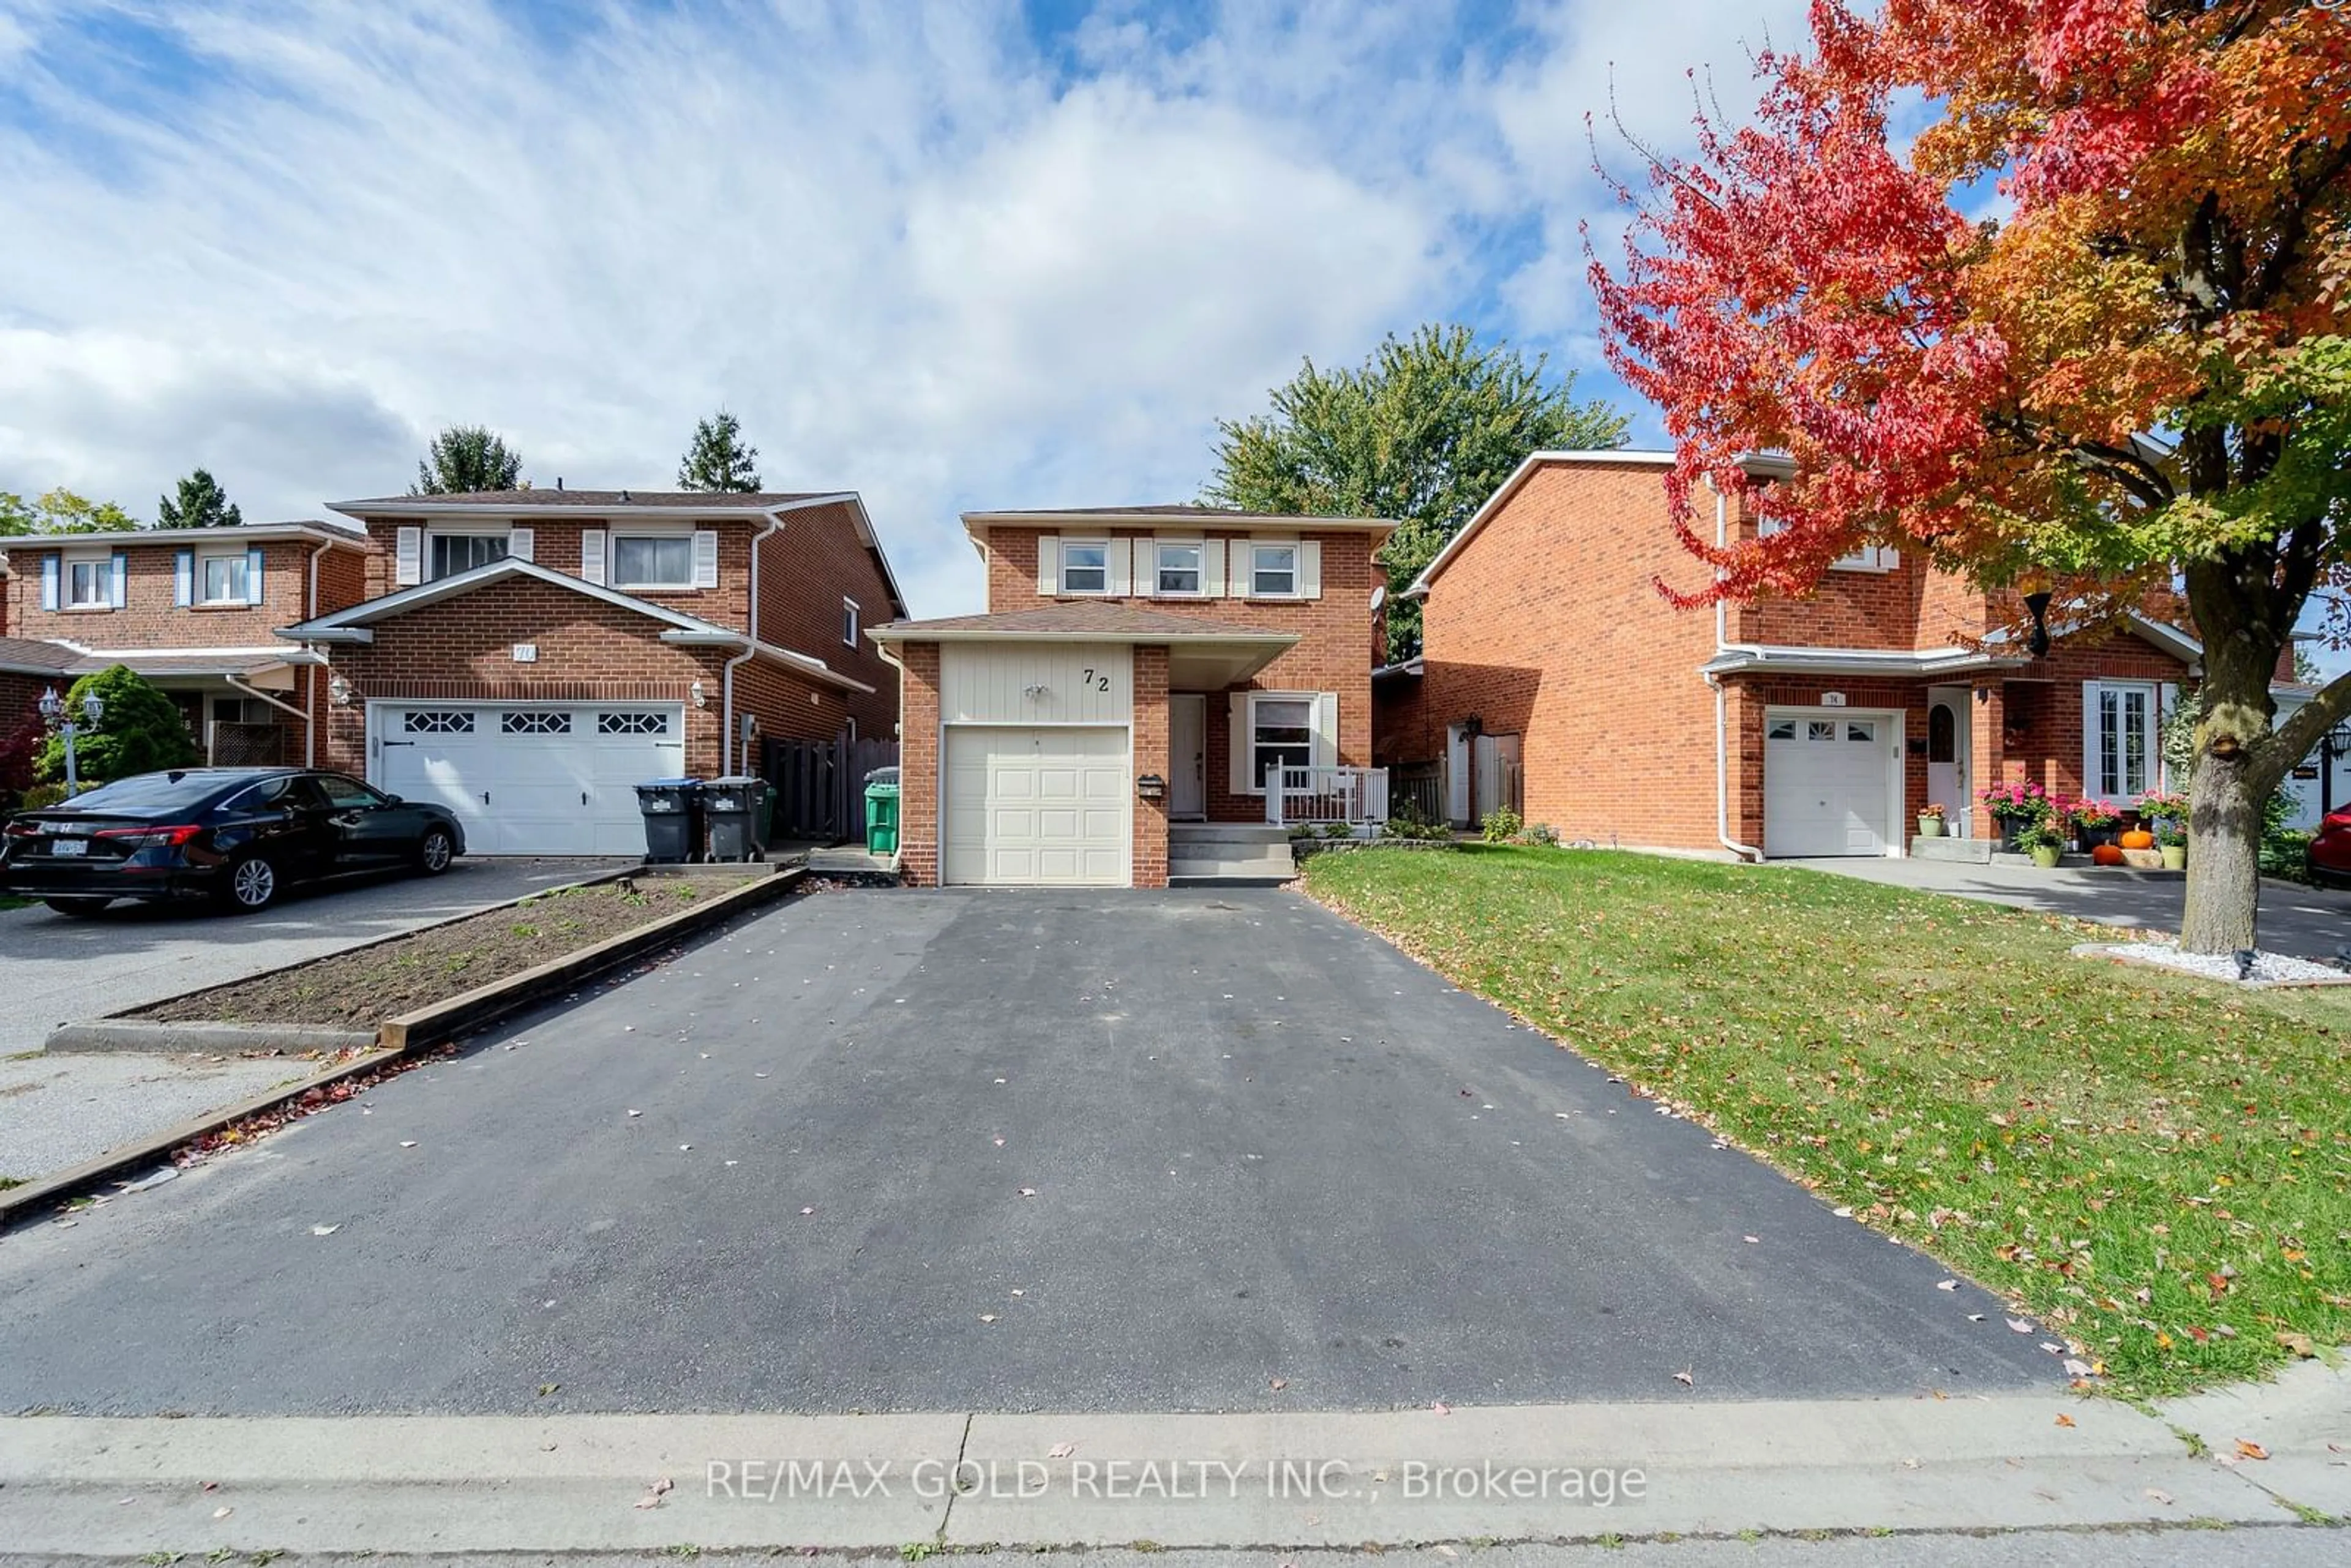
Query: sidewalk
{"type": "Point", "coordinates": [443, 1485]}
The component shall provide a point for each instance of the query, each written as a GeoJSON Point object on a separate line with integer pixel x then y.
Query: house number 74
{"type": "Point", "coordinates": [1100, 683]}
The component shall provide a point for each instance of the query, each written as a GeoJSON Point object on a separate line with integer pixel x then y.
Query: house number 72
{"type": "Point", "coordinates": [1099, 683]}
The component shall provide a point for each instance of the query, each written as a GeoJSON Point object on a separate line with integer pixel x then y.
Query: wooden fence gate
{"type": "Point", "coordinates": [820, 786]}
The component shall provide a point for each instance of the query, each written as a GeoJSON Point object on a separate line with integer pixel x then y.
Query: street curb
{"type": "Point", "coordinates": [410, 1032]}
{"type": "Point", "coordinates": [148, 1037]}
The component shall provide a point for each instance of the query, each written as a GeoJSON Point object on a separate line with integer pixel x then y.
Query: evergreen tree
{"type": "Point", "coordinates": [201, 504]}
{"type": "Point", "coordinates": [464, 458]}
{"type": "Point", "coordinates": [719, 459]}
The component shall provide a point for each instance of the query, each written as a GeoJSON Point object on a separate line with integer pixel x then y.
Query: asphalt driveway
{"type": "Point", "coordinates": [921, 1151]}
{"type": "Point", "coordinates": [60, 971]}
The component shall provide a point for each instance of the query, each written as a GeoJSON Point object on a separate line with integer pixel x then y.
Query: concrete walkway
{"type": "Point", "coordinates": [2307, 922]}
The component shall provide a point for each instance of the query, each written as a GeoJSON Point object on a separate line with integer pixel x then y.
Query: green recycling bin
{"type": "Point", "coordinates": [881, 818]}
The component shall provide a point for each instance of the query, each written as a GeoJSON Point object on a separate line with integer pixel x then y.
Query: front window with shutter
{"type": "Point", "coordinates": [1085, 568]}
{"type": "Point", "coordinates": [1281, 730]}
{"type": "Point", "coordinates": [90, 584]}
{"type": "Point", "coordinates": [653, 561]}
{"type": "Point", "coordinates": [1273, 571]}
{"type": "Point", "coordinates": [453, 553]}
{"type": "Point", "coordinates": [1179, 569]}
{"type": "Point", "coordinates": [224, 580]}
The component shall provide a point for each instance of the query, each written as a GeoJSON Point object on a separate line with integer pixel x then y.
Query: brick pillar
{"type": "Point", "coordinates": [1150, 855]}
{"type": "Point", "coordinates": [1986, 752]}
{"type": "Point", "coordinates": [1743, 717]}
{"type": "Point", "coordinates": [918, 765]}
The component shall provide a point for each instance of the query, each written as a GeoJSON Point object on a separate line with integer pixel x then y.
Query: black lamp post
{"type": "Point", "coordinates": [2037, 640]}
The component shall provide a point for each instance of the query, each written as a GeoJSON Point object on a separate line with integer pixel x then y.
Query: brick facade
{"type": "Point", "coordinates": [149, 620]}
{"type": "Point", "coordinates": [1149, 855]}
{"type": "Point", "coordinates": [918, 766]}
{"type": "Point", "coordinates": [1548, 624]}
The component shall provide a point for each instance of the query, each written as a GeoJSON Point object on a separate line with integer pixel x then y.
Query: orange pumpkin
{"type": "Point", "coordinates": [2138, 838]}
{"type": "Point", "coordinates": [2108, 854]}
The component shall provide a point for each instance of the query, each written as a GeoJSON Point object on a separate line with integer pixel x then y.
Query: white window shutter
{"type": "Point", "coordinates": [183, 578]}
{"type": "Point", "coordinates": [591, 554]}
{"type": "Point", "coordinates": [1310, 569]}
{"type": "Point", "coordinates": [1241, 568]}
{"type": "Point", "coordinates": [706, 558]}
{"type": "Point", "coordinates": [1238, 769]}
{"type": "Point", "coordinates": [2168, 699]}
{"type": "Point", "coordinates": [408, 558]}
{"type": "Point", "coordinates": [120, 579]}
{"type": "Point", "coordinates": [1326, 729]}
{"type": "Point", "coordinates": [1122, 568]}
{"type": "Point", "coordinates": [1049, 564]}
{"type": "Point", "coordinates": [1212, 568]}
{"type": "Point", "coordinates": [519, 543]}
{"type": "Point", "coordinates": [49, 572]}
{"type": "Point", "coordinates": [253, 575]}
{"type": "Point", "coordinates": [2091, 783]}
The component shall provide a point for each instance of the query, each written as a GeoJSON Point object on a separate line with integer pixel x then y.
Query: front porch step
{"type": "Point", "coordinates": [1971, 852]}
{"type": "Point", "coordinates": [1211, 836]}
{"type": "Point", "coordinates": [1266, 865]}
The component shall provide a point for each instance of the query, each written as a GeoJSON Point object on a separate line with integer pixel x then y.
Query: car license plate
{"type": "Point", "coordinates": [68, 846]}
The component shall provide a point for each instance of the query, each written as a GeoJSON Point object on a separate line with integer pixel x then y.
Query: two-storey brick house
{"type": "Point", "coordinates": [1555, 677]}
{"type": "Point", "coordinates": [194, 612]}
{"type": "Point", "coordinates": [1138, 669]}
{"type": "Point", "coordinates": [526, 657]}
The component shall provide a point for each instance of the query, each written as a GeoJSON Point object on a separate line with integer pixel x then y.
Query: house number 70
{"type": "Point", "coordinates": [1100, 683]}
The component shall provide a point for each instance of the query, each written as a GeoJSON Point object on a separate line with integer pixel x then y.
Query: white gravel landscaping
{"type": "Point", "coordinates": [2267, 968]}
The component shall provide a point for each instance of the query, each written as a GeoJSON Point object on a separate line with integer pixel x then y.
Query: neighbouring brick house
{"type": "Point", "coordinates": [526, 657]}
{"type": "Point", "coordinates": [1138, 672]}
{"type": "Point", "coordinates": [194, 611]}
{"type": "Point", "coordinates": [1555, 678]}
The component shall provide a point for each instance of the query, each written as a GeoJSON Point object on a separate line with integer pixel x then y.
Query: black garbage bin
{"type": "Point", "coordinates": [734, 816]}
{"type": "Point", "coordinates": [672, 809]}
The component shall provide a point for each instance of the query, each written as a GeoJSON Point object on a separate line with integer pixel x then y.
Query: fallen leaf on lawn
{"type": "Point", "coordinates": [2250, 1450]}
{"type": "Point", "coordinates": [2299, 1344]}
{"type": "Point", "coordinates": [324, 1229]}
{"type": "Point", "coordinates": [1061, 1450]}
{"type": "Point", "coordinates": [1685, 1377]}
{"type": "Point", "coordinates": [2063, 1419]}
{"type": "Point", "coordinates": [2019, 1325]}
{"type": "Point", "coordinates": [2077, 1369]}
{"type": "Point", "coordinates": [1948, 1285]}
{"type": "Point", "coordinates": [2157, 1494]}
{"type": "Point", "coordinates": [1841, 1213]}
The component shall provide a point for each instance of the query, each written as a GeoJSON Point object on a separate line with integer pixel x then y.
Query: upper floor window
{"type": "Point", "coordinates": [653, 561]}
{"type": "Point", "coordinates": [222, 578]}
{"type": "Point", "coordinates": [1273, 571]}
{"type": "Point", "coordinates": [1085, 568]}
{"type": "Point", "coordinates": [90, 584]}
{"type": "Point", "coordinates": [1179, 569]}
{"type": "Point", "coordinates": [453, 553]}
{"type": "Point", "coordinates": [849, 615]}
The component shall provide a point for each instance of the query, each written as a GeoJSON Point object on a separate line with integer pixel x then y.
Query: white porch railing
{"type": "Point", "coordinates": [1356, 795]}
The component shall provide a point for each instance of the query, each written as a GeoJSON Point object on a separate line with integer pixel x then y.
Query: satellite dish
{"type": "Point", "coordinates": [1379, 596]}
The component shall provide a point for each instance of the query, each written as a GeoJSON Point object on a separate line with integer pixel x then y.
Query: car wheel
{"type": "Point", "coordinates": [79, 908]}
{"type": "Point", "coordinates": [435, 851]}
{"type": "Point", "coordinates": [250, 885]}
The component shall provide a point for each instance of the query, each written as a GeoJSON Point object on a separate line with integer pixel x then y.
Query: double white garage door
{"type": "Point", "coordinates": [1828, 784]}
{"type": "Point", "coordinates": [1042, 807]}
{"type": "Point", "coordinates": [538, 778]}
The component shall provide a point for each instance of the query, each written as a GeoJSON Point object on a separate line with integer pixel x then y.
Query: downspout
{"type": "Point", "coordinates": [310, 673]}
{"type": "Point", "coordinates": [1722, 701]}
{"type": "Point", "coordinates": [727, 677]}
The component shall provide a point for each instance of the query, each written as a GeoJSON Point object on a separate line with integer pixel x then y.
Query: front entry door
{"type": "Point", "coordinates": [1946, 756]}
{"type": "Point", "coordinates": [1187, 757]}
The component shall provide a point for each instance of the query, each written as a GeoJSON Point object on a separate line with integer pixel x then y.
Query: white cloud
{"type": "Point", "coordinates": [916, 258]}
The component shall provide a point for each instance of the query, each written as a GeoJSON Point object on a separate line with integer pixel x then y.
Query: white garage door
{"type": "Point", "coordinates": [1824, 785]}
{"type": "Point", "coordinates": [532, 779]}
{"type": "Point", "coordinates": [1035, 807]}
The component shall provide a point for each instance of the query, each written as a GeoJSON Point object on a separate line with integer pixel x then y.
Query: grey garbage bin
{"type": "Point", "coordinates": [672, 809]}
{"type": "Point", "coordinates": [734, 816]}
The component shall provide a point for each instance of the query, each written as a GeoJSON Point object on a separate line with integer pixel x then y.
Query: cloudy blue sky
{"type": "Point", "coordinates": [956, 255]}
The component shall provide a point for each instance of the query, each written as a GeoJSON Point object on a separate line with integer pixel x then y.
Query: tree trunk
{"type": "Point", "coordinates": [2224, 837]}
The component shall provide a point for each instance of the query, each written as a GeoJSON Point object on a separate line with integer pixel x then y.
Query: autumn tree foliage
{"type": "Point", "coordinates": [2054, 290]}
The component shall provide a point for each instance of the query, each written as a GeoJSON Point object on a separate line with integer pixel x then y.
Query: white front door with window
{"type": "Point", "coordinates": [1187, 757]}
{"type": "Point", "coordinates": [1035, 807]}
{"type": "Point", "coordinates": [531, 778]}
{"type": "Point", "coordinates": [1947, 757]}
{"type": "Point", "coordinates": [1828, 783]}
{"type": "Point", "coordinates": [2120, 744]}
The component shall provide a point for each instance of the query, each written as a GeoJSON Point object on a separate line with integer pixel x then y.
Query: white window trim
{"type": "Point", "coordinates": [1312, 701]}
{"type": "Point", "coordinates": [617, 537]}
{"type": "Point", "coordinates": [241, 597]}
{"type": "Point", "coordinates": [425, 554]}
{"type": "Point", "coordinates": [852, 620]}
{"type": "Point", "coordinates": [1061, 583]}
{"type": "Point", "coordinates": [101, 579]}
{"type": "Point", "coordinates": [2093, 732]}
{"type": "Point", "coordinates": [1296, 568]}
{"type": "Point", "coordinates": [1199, 569]}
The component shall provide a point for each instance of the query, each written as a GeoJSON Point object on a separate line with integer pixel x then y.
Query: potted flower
{"type": "Point", "coordinates": [2015, 807]}
{"type": "Point", "coordinates": [2171, 843]}
{"type": "Point", "coordinates": [2158, 807]}
{"type": "Point", "coordinates": [1931, 821]}
{"type": "Point", "coordinates": [2044, 841]}
{"type": "Point", "coordinates": [2095, 823]}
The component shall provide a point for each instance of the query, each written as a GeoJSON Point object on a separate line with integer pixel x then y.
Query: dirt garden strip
{"type": "Point", "coordinates": [421, 988]}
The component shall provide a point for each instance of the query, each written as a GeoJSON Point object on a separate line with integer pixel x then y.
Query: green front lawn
{"type": "Point", "coordinates": [2158, 1167]}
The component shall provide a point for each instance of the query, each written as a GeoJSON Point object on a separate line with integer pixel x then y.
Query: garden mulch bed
{"type": "Point", "coordinates": [359, 987]}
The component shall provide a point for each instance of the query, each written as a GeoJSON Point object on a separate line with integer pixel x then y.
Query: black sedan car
{"type": "Point", "coordinates": [238, 835]}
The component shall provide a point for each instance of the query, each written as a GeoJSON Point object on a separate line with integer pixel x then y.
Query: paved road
{"type": "Point", "coordinates": [60, 971]}
{"type": "Point", "coordinates": [2307, 922]}
{"type": "Point", "coordinates": [931, 1151]}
